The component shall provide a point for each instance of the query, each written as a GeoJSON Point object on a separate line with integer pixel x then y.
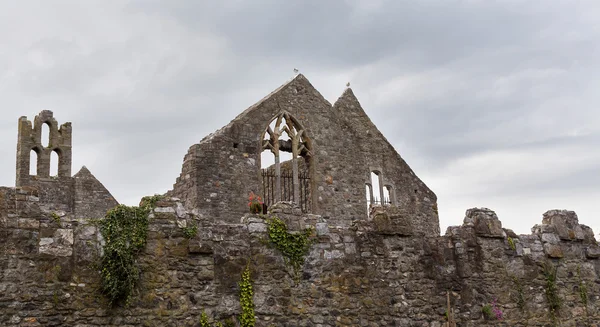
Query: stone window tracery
{"type": "Point", "coordinates": [377, 192]}
{"type": "Point", "coordinates": [286, 139]}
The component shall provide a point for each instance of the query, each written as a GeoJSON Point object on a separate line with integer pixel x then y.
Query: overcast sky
{"type": "Point", "coordinates": [492, 103]}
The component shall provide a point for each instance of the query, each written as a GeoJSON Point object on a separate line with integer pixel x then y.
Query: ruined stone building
{"type": "Point", "coordinates": [81, 195]}
{"type": "Point", "coordinates": [337, 148]}
{"type": "Point", "coordinates": [377, 259]}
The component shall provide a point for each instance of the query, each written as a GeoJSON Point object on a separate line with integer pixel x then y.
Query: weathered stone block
{"type": "Point", "coordinates": [550, 238]}
{"type": "Point", "coordinates": [350, 248]}
{"type": "Point", "coordinates": [28, 223]}
{"type": "Point", "coordinates": [565, 223]}
{"type": "Point", "coordinates": [259, 227]}
{"type": "Point", "coordinates": [164, 210]}
{"type": "Point", "coordinates": [485, 222]}
{"type": "Point", "coordinates": [553, 250]}
{"type": "Point", "coordinates": [322, 229]}
{"type": "Point", "coordinates": [60, 244]}
{"type": "Point", "coordinates": [333, 254]}
{"type": "Point", "coordinates": [199, 247]}
{"type": "Point", "coordinates": [391, 221]}
{"type": "Point", "coordinates": [592, 252]}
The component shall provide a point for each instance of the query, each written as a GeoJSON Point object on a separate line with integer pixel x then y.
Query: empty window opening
{"type": "Point", "coordinates": [45, 135]}
{"type": "Point", "coordinates": [54, 159]}
{"type": "Point", "coordinates": [386, 196]}
{"type": "Point", "coordinates": [376, 188]}
{"type": "Point", "coordinates": [33, 161]}
{"type": "Point", "coordinates": [369, 194]}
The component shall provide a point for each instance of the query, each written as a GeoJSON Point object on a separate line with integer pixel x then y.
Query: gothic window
{"type": "Point", "coordinates": [54, 160]}
{"type": "Point", "coordinates": [388, 192]}
{"type": "Point", "coordinates": [45, 137]}
{"type": "Point", "coordinates": [285, 177]}
{"type": "Point", "coordinates": [369, 198]}
{"type": "Point", "coordinates": [386, 200]}
{"type": "Point", "coordinates": [378, 193]}
{"type": "Point", "coordinates": [376, 188]}
{"type": "Point", "coordinates": [33, 162]}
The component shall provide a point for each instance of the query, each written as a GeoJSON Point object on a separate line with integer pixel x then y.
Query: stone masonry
{"type": "Point", "coordinates": [382, 265]}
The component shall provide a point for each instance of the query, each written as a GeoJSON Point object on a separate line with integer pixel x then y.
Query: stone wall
{"type": "Point", "coordinates": [375, 272]}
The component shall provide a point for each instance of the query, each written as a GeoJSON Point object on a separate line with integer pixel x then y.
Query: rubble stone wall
{"type": "Point", "coordinates": [374, 272]}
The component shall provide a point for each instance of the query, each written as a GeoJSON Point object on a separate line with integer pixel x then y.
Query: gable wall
{"type": "Point", "coordinates": [221, 170]}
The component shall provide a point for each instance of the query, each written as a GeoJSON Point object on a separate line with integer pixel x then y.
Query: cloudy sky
{"type": "Point", "coordinates": [492, 103]}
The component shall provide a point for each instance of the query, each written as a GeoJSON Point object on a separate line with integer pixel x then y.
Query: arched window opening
{"type": "Point", "coordinates": [369, 196]}
{"type": "Point", "coordinates": [33, 163]}
{"type": "Point", "coordinates": [285, 177]}
{"type": "Point", "coordinates": [377, 188]}
{"type": "Point", "coordinates": [54, 160]}
{"type": "Point", "coordinates": [386, 196]}
{"type": "Point", "coordinates": [45, 138]}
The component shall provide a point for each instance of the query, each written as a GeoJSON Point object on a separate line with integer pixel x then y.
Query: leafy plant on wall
{"type": "Point", "coordinates": [247, 319]}
{"type": "Point", "coordinates": [125, 230]}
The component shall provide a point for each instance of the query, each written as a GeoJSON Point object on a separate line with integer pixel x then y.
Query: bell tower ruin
{"type": "Point", "coordinates": [30, 140]}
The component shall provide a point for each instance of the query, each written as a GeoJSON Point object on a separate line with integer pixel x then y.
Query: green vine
{"type": "Point", "coordinates": [55, 293]}
{"type": "Point", "coordinates": [487, 312]}
{"type": "Point", "coordinates": [124, 230]}
{"type": "Point", "coordinates": [205, 323]}
{"type": "Point", "coordinates": [293, 246]}
{"type": "Point", "coordinates": [519, 297]}
{"type": "Point", "coordinates": [204, 320]}
{"type": "Point", "coordinates": [552, 296]}
{"type": "Point", "coordinates": [150, 201]}
{"type": "Point", "coordinates": [511, 243]}
{"type": "Point", "coordinates": [56, 218]}
{"type": "Point", "coordinates": [190, 232]}
{"type": "Point", "coordinates": [247, 319]}
{"type": "Point", "coordinates": [583, 292]}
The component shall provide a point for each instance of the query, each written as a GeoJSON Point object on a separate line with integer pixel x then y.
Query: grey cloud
{"type": "Point", "coordinates": [447, 82]}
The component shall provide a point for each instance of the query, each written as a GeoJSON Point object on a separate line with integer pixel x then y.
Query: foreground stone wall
{"type": "Point", "coordinates": [376, 272]}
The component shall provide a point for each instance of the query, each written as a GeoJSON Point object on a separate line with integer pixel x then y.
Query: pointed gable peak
{"type": "Point", "coordinates": [83, 172]}
{"type": "Point", "coordinates": [348, 93]}
{"type": "Point", "coordinates": [348, 102]}
{"type": "Point", "coordinates": [297, 80]}
{"type": "Point", "coordinates": [299, 76]}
